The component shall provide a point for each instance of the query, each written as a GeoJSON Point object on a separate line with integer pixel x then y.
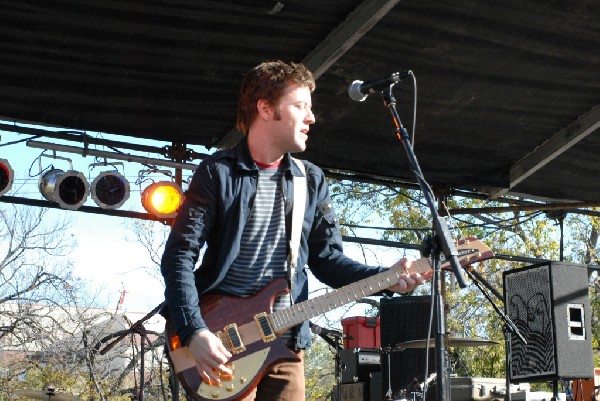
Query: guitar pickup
{"type": "Point", "coordinates": [230, 337]}
{"type": "Point", "coordinates": [264, 325]}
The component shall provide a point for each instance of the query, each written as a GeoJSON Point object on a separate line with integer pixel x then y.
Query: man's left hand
{"type": "Point", "coordinates": [407, 282]}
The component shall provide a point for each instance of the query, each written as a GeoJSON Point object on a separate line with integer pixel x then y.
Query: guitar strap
{"type": "Point", "coordinates": [298, 208]}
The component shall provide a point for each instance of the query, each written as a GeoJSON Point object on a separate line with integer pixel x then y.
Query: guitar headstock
{"type": "Point", "coordinates": [470, 250]}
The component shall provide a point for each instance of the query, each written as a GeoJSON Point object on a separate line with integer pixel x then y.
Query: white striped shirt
{"type": "Point", "coordinates": [263, 250]}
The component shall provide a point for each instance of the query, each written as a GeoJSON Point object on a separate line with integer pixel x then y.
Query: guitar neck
{"type": "Point", "coordinates": [316, 306]}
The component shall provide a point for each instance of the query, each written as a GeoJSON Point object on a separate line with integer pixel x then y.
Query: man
{"type": "Point", "coordinates": [239, 204]}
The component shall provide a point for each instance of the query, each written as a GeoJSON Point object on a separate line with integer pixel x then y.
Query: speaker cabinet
{"type": "Point", "coordinates": [404, 319]}
{"type": "Point", "coordinates": [549, 303]}
{"type": "Point", "coordinates": [375, 389]}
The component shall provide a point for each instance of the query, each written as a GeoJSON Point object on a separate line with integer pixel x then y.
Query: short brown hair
{"type": "Point", "coordinates": [267, 81]}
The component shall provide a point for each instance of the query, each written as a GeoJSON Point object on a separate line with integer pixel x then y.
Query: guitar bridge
{"type": "Point", "coordinates": [264, 325]}
{"type": "Point", "coordinates": [230, 337]}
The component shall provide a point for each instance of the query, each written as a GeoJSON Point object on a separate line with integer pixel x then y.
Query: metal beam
{"type": "Point", "coordinates": [524, 208]}
{"type": "Point", "coordinates": [346, 34]}
{"type": "Point", "coordinates": [562, 141]}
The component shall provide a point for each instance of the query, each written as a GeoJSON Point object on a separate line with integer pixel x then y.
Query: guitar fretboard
{"type": "Point", "coordinates": [306, 310]}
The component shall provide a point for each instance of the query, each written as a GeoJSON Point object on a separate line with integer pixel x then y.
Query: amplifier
{"type": "Point", "coordinates": [359, 363]}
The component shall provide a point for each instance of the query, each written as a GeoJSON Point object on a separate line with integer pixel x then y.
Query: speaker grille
{"type": "Point", "coordinates": [528, 304]}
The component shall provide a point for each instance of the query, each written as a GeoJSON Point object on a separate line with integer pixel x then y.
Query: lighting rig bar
{"type": "Point", "coordinates": [110, 155]}
{"type": "Point", "coordinates": [86, 209]}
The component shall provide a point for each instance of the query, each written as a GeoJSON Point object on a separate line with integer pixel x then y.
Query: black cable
{"type": "Point", "coordinates": [19, 140]}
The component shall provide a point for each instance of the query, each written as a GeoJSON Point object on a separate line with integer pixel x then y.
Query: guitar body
{"type": "Point", "coordinates": [249, 365]}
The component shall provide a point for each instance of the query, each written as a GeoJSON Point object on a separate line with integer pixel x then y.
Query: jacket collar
{"type": "Point", "coordinates": [245, 161]}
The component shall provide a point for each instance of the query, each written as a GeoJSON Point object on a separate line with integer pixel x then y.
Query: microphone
{"type": "Point", "coordinates": [322, 331]}
{"type": "Point", "coordinates": [359, 90]}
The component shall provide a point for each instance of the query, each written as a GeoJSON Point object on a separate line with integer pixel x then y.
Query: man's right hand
{"type": "Point", "coordinates": [211, 356]}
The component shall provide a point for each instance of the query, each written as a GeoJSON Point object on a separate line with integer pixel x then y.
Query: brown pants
{"type": "Point", "coordinates": [283, 381]}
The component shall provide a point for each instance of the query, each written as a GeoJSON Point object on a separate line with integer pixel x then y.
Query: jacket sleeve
{"type": "Point", "coordinates": [326, 257]}
{"type": "Point", "coordinates": [188, 235]}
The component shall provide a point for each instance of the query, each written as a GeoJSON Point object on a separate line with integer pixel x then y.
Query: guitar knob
{"type": "Point", "coordinates": [243, 380]}
{"type": "Point", "coordinates": [215, 394]}
{"type": "Point", "coordinates": [230, 387]}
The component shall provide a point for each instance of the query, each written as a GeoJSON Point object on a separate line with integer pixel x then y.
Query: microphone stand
{"type": "Point", "coordinates": [136, 328]}
{"type": "Point", "coordinates": [442, 242]}
{"type": "Point", "coordinates": [334, 339]}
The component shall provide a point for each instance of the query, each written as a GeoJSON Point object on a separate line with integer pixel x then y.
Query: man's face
{"type": "Point", "coordinates": [292, 118]}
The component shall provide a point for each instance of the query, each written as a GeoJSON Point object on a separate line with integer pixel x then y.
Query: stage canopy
{"type": "Point", "coordinates": [508, 92]}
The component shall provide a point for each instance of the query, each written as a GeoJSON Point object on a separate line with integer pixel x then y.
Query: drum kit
{"type": "Point", "coordinates": [449, 341]}
{"type": "Point", "coordinates": [416, 390]}
{"type": "Point", "coordinates": [46, 395]}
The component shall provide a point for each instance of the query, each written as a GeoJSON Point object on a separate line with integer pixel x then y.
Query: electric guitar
{"type": "Point", "coordinates": [249, 329]}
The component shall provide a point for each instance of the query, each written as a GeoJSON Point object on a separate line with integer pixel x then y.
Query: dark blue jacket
{"type": "Point", "coordinates": [216, 207]}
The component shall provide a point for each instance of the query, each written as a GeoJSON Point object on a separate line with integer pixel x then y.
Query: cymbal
{"type": "Point", "coordinates": [49, 395]}
{"type": "Point", "coordinates": [449, 342]}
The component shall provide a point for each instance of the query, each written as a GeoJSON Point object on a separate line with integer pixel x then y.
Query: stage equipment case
{"type": "Point", "coordinates": [362, 332]}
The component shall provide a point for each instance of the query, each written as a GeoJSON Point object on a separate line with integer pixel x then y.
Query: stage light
{"type": "Point", "coordinates": [162, 199]}
{"type": "Point", "coordinates": [69, 189]}
{"type": "Point", "coordinates": [6, 176]}
{"type": "Point", "coordinates": [110, 190]}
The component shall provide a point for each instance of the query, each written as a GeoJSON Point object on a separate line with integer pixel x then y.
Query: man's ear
{"type": "Point", "coordinates": [265, 110]}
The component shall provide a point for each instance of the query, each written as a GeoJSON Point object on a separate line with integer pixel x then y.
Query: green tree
{"type": "Point", "coordinates": [319, 370]}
